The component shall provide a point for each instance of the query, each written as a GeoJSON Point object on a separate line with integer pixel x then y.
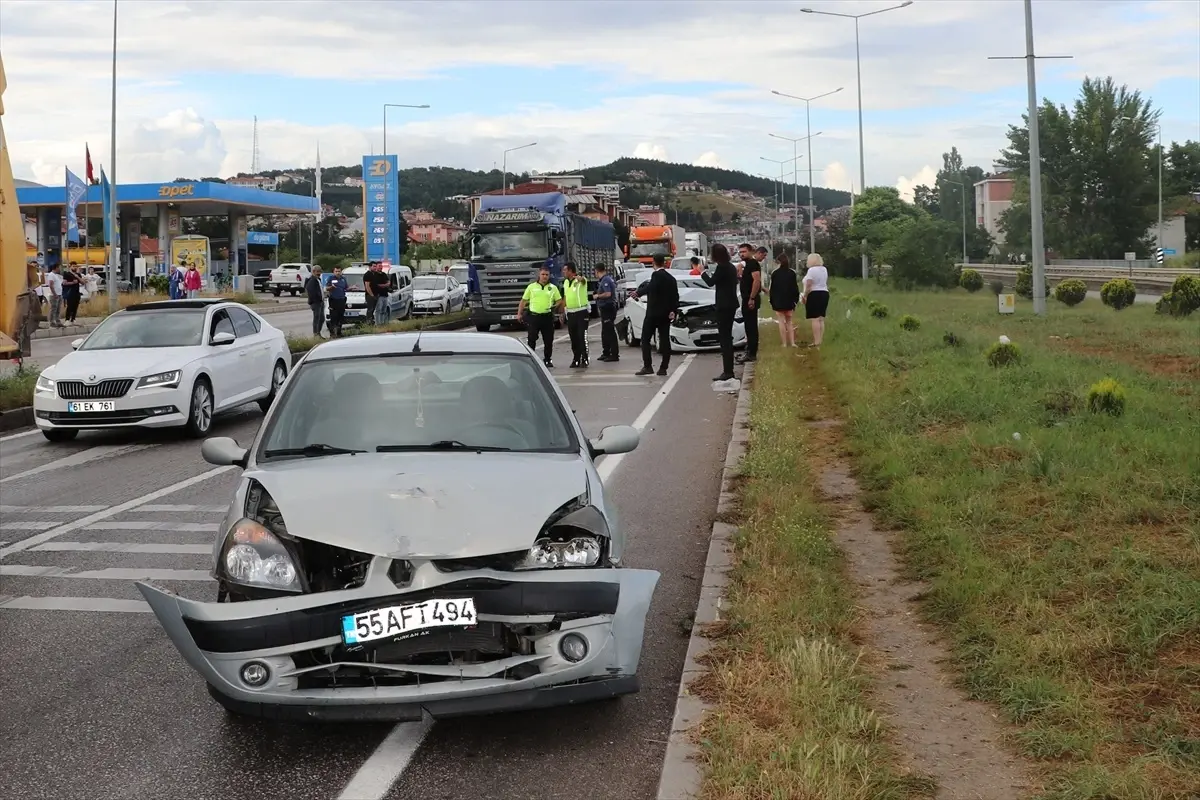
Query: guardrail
{"type": "Point", "coordinates": [1157, 277]}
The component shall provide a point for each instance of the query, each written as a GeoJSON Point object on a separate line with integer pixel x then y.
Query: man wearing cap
{"type": "Point", "coordinates": [575, 296]}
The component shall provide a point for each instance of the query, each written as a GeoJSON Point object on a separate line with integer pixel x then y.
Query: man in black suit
{"type": "Point", "coordinates": [751, 285]}
{"type": "Point", "coordinates": [724, 279]}
{"type": "Point", "coordinates": [662, 302]}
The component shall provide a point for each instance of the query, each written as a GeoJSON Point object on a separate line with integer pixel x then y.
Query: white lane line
{"type": "Point", "coordinates": [82, 457]}
{"type": "Point", "coordinates": [107, 604]}
{"type": "Point", "coordinates": [50, 509]}
{"type": "Point", "coordinates": [21, 435]}
{"type": "Point", "coordinates": [107, 513]}
{"type": "Point", "coordinates": [383, 767]}
{"type": "Point", "coordinates": [153, 525]}
{"type": "Point", "coordinates": [184, 508]}
{"type": "Point", "coordinates": [27, 525]}
{"type": "Point", "coordinates": [107, 574]}
{"type": "Point", "coordinates": [577, 384]}
{"type": "Point", "coordinates": [124, 547]}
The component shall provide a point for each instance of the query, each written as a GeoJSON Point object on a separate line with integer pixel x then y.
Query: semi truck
{"type": "Point", "coordinates": [695, 244]}
{"type": "Point", "coordinates": [514, 236]}
{"type": "Point", "coordinates": [18, 304]}
{"type": "Point", "coordinates": [647, 241]}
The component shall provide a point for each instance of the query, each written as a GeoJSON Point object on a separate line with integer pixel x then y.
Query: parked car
{"type": "Point", "coordinates": [695, 326]}
{"type": "Point", "coordinates": [262, 278]}
{"type": "Point", "coordinates": [288, 278]}
{"type": "Point", "coordinates": [399, 301]}
{"type": "Point", "coordinates": [437, 294]}
{"type": "Point", "coordinates": [172, 363]}
{"type": "Point", "coordinates": [480, 567]}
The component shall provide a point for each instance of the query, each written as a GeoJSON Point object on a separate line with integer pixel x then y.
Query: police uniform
{"type": "Point", "coordinates": [608, 318]}
{"type": "Point", "coordinates": [575, 294]}
{"type": "Point", "coordinates": [540, 301]}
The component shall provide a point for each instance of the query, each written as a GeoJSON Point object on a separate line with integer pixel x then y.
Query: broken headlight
{"type": "Point", "coordinates": [253, 556]}
{"type": "Point", "coordinates": [575, 535]}
{"type": "Point", "coordinates": [582, 551]}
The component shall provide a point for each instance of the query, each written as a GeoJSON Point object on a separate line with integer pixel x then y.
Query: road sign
{"type": "Point", "coordinates": [1158, 256]}
{"type": "Point", "coordinates": [1007, 303]}
{"type": "Point", "coordinates": [1131, 256]}
{"type": "Point", "coordinates": [1168, 251]}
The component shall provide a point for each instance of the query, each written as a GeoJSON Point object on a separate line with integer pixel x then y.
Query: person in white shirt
{"type": "Point", "coordinates": [815, 297]}
{"type": "Point", "coordinates": [54, 283]}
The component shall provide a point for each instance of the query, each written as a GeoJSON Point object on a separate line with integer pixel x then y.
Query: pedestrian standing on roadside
{"type": "Point", "coordinates": [537, 309]}
{"type": "Point", "coordinates": [368, 292]}
{"type": "Point", "coordinates": [785, 296]}
{"type": "Point", "coordinates": [606, 304]}
{"type": "Point", "coordinates": [71, 292]}
{"type": "Point", "coordinates": [816, 296]}
{"type": "Point", "coordinates": [751, 286]}
{"type": "Point", "coordinates": [662, 303]}
{"type": "Point", "coordinates": [191, 282]}
{"type": "Point", "coordinates": [724, 280]}
{"type": "Point", "coordinates": [575, 297]}
{"type": "Point", "coordinates": [316, 300]}
{"type": "Point", "coordinates": [54, 286]}
{"type": "Point", "coordinates": [336, 289]}
{"type": "Point", "coordinates": [378, 285]}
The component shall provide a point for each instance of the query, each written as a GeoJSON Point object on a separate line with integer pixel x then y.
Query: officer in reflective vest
{"type": "Point", "coordinates": [537, 309]}
{"type": "Point", "coordinates": [575, 294]}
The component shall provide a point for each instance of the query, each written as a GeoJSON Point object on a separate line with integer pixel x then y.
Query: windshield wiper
{"type": "Point", "coordinates": [312, 451]}
{"type": "Point", "coordinates": [441, 444]}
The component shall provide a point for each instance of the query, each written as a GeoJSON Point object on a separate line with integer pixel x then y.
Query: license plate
{"type": "Point", "coordinates": [507, 317]}
{"type": "Point", "coordinates": [707, 340]}
{"type": "Point", "coordinates": [90, 407]}
{"type": "Point", "coordinates": [399, 620]}
{"type": "Point", "coordinates": [353, 312]}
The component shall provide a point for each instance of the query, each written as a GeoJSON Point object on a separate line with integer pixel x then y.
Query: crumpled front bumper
{"type": "Point", "coordinates": [607, 607]}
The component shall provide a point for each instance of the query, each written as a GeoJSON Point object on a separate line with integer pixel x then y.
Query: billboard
{"type": "Point", "coordinates": [189, 250]}
{"type": "Point", "coordinates": [381, 209]}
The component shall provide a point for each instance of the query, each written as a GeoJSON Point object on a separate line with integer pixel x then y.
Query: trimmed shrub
{"type": "Point", "coordinates": [909, 323]}
{"type": "Point", "coordinates": [1024, 286]}
{"type": "Point", "coordinates": [997, 287]}
{"type": "Point", "coordinates": [857, 299]}
{"type": "Point", "coordinates": [951, 340]}
{"type": "Point", "coordinates": [878, 310]}
{"type": "Point", "coordinates": [1060, 403]}
{"type": "Point", "coordinates": [1181, 299]}
{"type": "Point", "coordinates": [971, 280]}
{"type": "Point", "coordinates": [1071, 292]}
{"type": "Point", "coordinates": [158, 283]}
{"type": "Point", "coordinates": [1003, 354]}
{"type": "Point", "coordinates": [1106, 397]}
{"type": "Point", "coordinates": [1118, 293]}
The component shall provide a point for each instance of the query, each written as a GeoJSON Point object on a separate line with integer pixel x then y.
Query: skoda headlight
{"type": "Point", "coordinates": [160, 380]}
{"type": "Point", "coordinates": [44, 384]}
{"type": "Point", "coordinates": [253, 556]}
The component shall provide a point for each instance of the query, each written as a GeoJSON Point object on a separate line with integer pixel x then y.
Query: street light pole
{"type": "Point", "coordinates": [386, 106]}
{"type": "Point", "coordinates": [779, 195]}
{"type": "Point", "coordinates": [504, 168]}
{"type": "Point", "coordinates": [963, 189]}
{"type": "Point", "coordinates": [113, 217]}
{"type": "Point", "coordinates": [812, 208]}
{"type": "Point", "coordinates": [796, 172]}
{"type": "Point", "coordinates": [862, 161]}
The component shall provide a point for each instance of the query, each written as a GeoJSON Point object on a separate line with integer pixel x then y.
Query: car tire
{"type": "Point", "coordinates": [482, 327]}
{"type": "Point", "coordinates": [278, 376]}
{"type": "Point", "coordinates": [200, 410]}
{"type": "Point", "coordinates": [630, 339]}
{"type": "Point", "coordinates": [60, 434]}
{"type": "Point", "coordinates": [277, 292]}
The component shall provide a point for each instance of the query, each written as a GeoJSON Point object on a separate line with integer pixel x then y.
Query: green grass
{"type": "Point", "coordinates": [1061, 547]}
{"type": "Point", "coordinates": [792, 715]}
{"type": "Point", "coordinates": [707, 202]}
{"type": "Point", "coordinates": [302, 344]}
{"type": "Point", "coordinates": [16, 388]}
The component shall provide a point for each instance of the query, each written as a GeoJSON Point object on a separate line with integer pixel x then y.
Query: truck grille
{"type": "Point", "coordinates": [104, 390]}
{"type": "Point", "coordinates": [501, 286]}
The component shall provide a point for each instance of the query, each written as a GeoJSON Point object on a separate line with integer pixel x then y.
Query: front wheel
{"type": "Point", "coordinates": [278, 376]}
{"type": "Point", "coordinates": [482, 327]}
{"type": "Point", "coordinates": [200, 414]}
{"type": "Point", "coordinates": [277, 291]}
{"type": "Point", "coordinates": [60, 434]}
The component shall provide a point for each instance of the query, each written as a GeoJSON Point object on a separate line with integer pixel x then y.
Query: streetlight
{"type": "Point", "coordinates": [862, 163]}
{"type": "Point", "coordinates": [1158, 127]}
{"type": "Point", "coordinates": [796, 173]}
{"type": "Point", "coordinates": [779, 196]}
{"type": "Point", "coordinates": [387, 223]}
{"type": "Point", "coordinates": [113, 218]}
{"type": "Point", "coordinates": [963, 188]}
{"type": "Point", "coordinates": [812, 209]}
{"type": "Point", "coordinates": [504, 169]}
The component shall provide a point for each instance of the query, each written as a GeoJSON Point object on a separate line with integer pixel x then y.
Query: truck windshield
{"type": "Point", "coordinates": [509, 246]}
{"type": "Point", "coordinates": [644, 249]}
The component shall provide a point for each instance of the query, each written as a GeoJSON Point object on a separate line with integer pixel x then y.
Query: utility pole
{"type": "Point", "coordinates": [113, 217]}
{"type": "Point", "coordinates": [395, 178]}
{"type": "Point", "coordinates": [812, 208]}
{"type": "Point", "coordinates": [796, 177]}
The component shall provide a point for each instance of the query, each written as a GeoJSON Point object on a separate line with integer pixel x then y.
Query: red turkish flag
{"type": "Point", "coordinates": [91, 177]}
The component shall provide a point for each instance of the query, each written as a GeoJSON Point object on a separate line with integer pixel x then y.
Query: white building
{"type": "Point", "coordinates": [993, 196]}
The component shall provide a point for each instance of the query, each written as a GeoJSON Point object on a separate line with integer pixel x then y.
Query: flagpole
{"type": "Point", "coordinates": [87, 211]}
{"type": "Point", "coordinates": [115, 244]}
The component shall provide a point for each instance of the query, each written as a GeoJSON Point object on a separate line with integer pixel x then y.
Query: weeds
{"type": "Point", "coordinates": [16, 388]}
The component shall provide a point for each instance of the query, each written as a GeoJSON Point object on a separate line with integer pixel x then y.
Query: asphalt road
{"type": "Point", "coordinates": [99, 705]}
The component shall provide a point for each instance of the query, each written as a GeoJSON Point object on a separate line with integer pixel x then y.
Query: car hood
{"type": "Point", "coordinates": [123, 363]}
{"type": "Point", "coordinates": [429, 294]}
{"type": "Point", "coordinates": [423, 505]}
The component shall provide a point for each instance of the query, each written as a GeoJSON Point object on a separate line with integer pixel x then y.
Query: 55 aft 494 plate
{"type": "Point", "coordinates": [398, 620]}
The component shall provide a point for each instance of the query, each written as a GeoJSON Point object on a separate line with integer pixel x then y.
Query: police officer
{"type": "Point", "coordinates": [606, 304]}
{"type": "Point", "coordinates": [543, 300]}
{"type": "Point", "coordinates": [575, 296]}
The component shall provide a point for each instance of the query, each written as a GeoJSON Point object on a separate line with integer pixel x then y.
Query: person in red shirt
{"type": "Point", "coordinates": [696, 266]}
{"type": "Point", "coordinates": [191, 281]}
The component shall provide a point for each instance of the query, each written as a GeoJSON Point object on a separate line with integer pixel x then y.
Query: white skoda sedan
{"type": "Point", "coordinates": [165, 364]}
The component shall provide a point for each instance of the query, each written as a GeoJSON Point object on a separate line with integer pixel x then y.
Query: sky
{"type": "Point", "coordinates": [588, 80]}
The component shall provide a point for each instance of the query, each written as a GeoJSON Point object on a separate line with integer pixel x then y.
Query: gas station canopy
{"type": "Point", "coordinates": [190, 199]}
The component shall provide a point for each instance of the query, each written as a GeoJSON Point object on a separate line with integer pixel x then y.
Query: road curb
{"type": "Point", "coordinates": [681, 774]}
{"type": "Point", "coordinates": [16, 418]}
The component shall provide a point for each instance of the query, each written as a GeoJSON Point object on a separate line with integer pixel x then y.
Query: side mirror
{"type": "Point", "coordinates": [76, 344]}
{"type": "Point", "coordinates": [615, 439]}
{"type": "Point", "coordinates": [222, 451]}
{"type": "Point", "coordinates": [222, 338]}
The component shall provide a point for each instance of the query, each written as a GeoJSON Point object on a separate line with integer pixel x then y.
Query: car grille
{"type": "Point", "coordinates": [504, 562]}
{"type": "Point", "coordinates": [697, 320]}
{"type": "Point", "coordinates": [104, 390]}
{"type": "Point", "coordinates": [100, 418]}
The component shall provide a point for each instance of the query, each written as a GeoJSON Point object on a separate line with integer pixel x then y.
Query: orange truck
{"type": "Point", "coordinates": [18, 303]}
{"type": "Point", "coordinates": [647, 241]}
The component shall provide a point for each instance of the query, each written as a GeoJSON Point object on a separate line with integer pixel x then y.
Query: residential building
{"type": "Point", "coordinates": [256, 182]}
{"type": "Point", "coordinates": [691, 186]}
{"type": "Point", "coordinates": [651, 215]}
{"type": "Point", "coordinates": [352, 182]}
{"type": "Point", "coordinates": [423, 226]}
{"type": "Point", "coordinates": [993, 196]}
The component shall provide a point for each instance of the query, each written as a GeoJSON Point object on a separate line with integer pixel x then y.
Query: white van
{"type": "Point", "coordinates": [399, 299]}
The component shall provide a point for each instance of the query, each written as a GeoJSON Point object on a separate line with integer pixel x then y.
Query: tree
{"type": "Point", "coordinates": [715, 218]}
{"type": "Point", "coordinates": [1098, 167]}
{"type": "Point", "coordinates": [837, 250]}
{"type": "Point", "coordinates": [875, 211]}
{"type": "Point", "coordinates": [926, 199]}
{"type": "Point", "coordinates": [921, 251]}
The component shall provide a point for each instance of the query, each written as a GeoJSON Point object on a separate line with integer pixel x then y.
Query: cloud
{"type": "Point", "coordinates": [835, 176]}
{"type": "Point", "coordinates": [927, 176]}
{"type": "Point", "coordinates": [648, 150]}
{"type": "Point", "coordinates": [708, 159]}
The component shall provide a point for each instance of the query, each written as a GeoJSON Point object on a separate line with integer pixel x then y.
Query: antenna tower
{"type": "Point", "coordinates": [254, 150]}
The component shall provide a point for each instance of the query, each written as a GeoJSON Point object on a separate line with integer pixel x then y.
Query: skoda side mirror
{"type": "Point", "coordinates": [75, 345]}
{"type": "Point", "coordinates": [223, 338]}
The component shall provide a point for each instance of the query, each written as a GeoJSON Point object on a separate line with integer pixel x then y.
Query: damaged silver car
{"type": "Point", "coordinates": [419, 527]}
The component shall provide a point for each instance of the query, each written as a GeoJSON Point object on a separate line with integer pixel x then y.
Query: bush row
{"type": "Point", "coordinates": [1180, 300]}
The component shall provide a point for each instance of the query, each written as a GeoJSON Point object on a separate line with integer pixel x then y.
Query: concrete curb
{"type": "Point", "coordinates": [16, 418]}
{"type": "Point", "coordinates": [263, 308]}
{"type": "Point", "coordinates": [681, 774]}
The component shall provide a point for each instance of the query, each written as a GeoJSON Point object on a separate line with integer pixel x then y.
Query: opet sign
{"type": "Point", "coordinates": [177, 190]}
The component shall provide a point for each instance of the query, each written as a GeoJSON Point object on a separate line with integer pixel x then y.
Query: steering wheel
{"type": "Point", "coordinates": [511, 428]}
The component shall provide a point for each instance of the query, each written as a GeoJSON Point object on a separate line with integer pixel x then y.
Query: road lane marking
{"type": "Point", "coordinates": [153, 525]}
{"type": "Point", "coordinates": [80, 458]}
{"type": "Point", "coordinates": [21, 435]}
{"type": "Point", "coordinates": [106, 604]}
{"type": "Point", "coordinates": [391, 757]}
{"type": "Point", "coordinates": [50, 509]}
{"type": "Point", "coordinates": [184, 508]}
{"type": "Point", "coordinates": [27, 525]}
{"type": "Point", "coordinates": [106, 574]}
{"type": "Point", "coordinates": [110, 512]}
{"type": "Point", "coordinates": [577, 384]}
{"type": "Point", "coordinates": [124, 547]}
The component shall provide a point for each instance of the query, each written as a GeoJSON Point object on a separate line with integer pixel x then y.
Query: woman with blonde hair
{"type": "Point", "coordinates": [815, 297]}
{"type": "Point", "coordinates": [785, 295]}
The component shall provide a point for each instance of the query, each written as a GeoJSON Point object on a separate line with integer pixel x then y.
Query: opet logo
{"type": "Point", "coordinates": [379, 167]}
{"type": "Point", "coordinates": [187, 190]}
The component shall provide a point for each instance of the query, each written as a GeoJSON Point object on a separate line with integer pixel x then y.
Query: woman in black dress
{"type": "Point", "coordinates": [785, 295]}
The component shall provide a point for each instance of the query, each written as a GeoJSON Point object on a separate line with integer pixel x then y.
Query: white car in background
{"type": "Point", "coordinates": [173, 363]}
{"type": "Point", "coordinates": [437, 294]}
{"type": "Point", "coordinates": [288, 278]}
{"type": "Point", "coordinates": [695, 326]}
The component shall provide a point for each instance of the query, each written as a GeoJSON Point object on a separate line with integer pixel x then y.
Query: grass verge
{"type": "Point", "coordinates": [97, 306]}
{"type": "Point", "coordinates": [16, 388]}
{"type": "Point", "coordinates": [1062, 547]}
{"type": "Point", "coordinates": [792, 713]}
{"type": "Point", "coordinates": [302, 344]}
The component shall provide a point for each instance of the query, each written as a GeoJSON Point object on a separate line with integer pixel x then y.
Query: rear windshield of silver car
{"type": "Point", "coordinates": [419, 402]}
{"type": "Point", "coordinates": [175, 327]}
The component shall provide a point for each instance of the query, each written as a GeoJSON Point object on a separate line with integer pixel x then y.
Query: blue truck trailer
{"type": "Point", "coordinates": [514, 236]}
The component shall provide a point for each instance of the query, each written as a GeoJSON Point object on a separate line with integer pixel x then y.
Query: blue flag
{"type": "Point", "coordinates": [76, 189]}
{"type": "Point", "coordinates": [106, 200]}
